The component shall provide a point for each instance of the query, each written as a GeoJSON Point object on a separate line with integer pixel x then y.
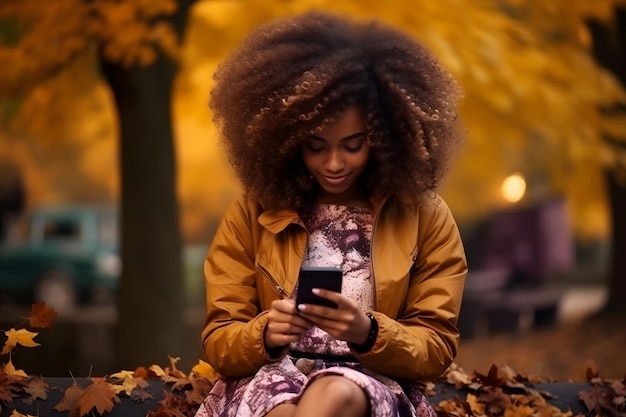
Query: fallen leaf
{"type": "Point", "coordinates": [41, 316]}
{"type": "Point", "coordinates": [9, 369]}
{"type": "Point", "coordinates": [99, 395]}
{"type": "Point", "coordinates": [125, 381]}
{"type": "Point", "coordinates": [200, 388]}
{"type": "Point", "coordinates": [6, 390]}
{"type": "Point", "coordinates": [69, 401]}
{"type": "Point", "coordinates": [22, 337]}
{"type": "Point", "coordinates": [203, 369]}
{"type": "Point", "coordinates": [16, 413]}
{"type": "Point", "coordinates": [37, 388]}
{"type": "Point", "coordinates": [173, 370]}
{"type": "Point", "coordinates": [157, 370]}
{"type": "Point", "coordinates": [491, 378]}
{"type": "Point", "coordinates": [140, 395]}
{"type": "Point", "coordinates": [170, 406]}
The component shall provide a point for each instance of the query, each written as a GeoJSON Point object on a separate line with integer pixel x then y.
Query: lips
{"type": "Point", "coordinates": [335, 180]}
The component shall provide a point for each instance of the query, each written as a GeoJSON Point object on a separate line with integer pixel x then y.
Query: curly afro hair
{"type": "Point", "coordinates": [293, 75]}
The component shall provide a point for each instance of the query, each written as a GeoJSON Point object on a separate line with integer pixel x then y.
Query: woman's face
{"type": "Point", "coordinates": [337, 156]}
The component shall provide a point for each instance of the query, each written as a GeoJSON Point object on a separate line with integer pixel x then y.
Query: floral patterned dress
{"type": "Point", "coordinates": [340, 237]}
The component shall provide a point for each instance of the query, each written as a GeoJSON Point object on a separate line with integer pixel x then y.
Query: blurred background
{"type": "Point", "coordinates": [112, 180]}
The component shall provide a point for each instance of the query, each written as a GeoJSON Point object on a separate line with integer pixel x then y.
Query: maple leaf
{"type": "Point", "coordinates": [69, 401]}
{"type": "Point", "coordinates": [9, 369]}
{"type": "Point", "coordinates": [491, 378]}
{"type": "Point", "coordinates": [37, 388]}
{"type": "Point", "coordinates": [125, 381]}
{"type": "Point", "coordinates": [99, 395]}
{"type": "Point", "coordinates": [41, 316]}
{"type": "Point", "coordinates": [15, 337]}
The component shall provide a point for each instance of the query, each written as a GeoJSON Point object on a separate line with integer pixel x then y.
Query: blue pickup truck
{"type": "Point", "coordinates": [62, 255]}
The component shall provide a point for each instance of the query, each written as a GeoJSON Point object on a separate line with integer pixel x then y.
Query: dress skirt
{"type": "Point", "coordinates": [285, 381]}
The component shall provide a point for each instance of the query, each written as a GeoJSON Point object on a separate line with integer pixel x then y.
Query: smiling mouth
{"type": "Point", "coordinates": [335, 180]}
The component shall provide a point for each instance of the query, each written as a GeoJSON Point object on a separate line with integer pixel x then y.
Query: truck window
{"type": "Point", "coordinates": [61, 230]}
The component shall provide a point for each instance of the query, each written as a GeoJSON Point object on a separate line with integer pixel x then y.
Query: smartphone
{"type": "Point", "coordinates": [328, 278]}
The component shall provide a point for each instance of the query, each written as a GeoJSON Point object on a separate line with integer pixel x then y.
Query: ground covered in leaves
{"type": "Point", "coordinates": [561, 353]}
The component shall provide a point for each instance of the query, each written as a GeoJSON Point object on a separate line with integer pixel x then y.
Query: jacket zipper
{"type": "Point", "coordinates": [275, 285]}
{"type": "Point", "coordinates": [376, 216]}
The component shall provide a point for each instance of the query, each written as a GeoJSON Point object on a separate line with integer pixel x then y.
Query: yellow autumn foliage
{"type": "Point", "coordinates": [532, 101]}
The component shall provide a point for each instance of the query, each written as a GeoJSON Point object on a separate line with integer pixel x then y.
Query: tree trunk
{"type": "Point", "coordinates": [151, 322]}
{"type": "Point", "coordinates": [616, 302]}
{"type": "Point", "coordinates": [609, 47]}
{"type": "Point", "coordinates": [150, 299]}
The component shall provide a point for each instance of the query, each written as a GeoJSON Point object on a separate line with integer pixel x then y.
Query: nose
{"type": "Point", "coordinates": [334, 161]}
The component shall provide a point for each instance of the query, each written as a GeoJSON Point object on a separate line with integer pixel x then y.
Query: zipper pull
{"type": "Point", "coordinates": [280, 290]}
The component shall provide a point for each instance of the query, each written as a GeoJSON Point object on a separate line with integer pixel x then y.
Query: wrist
{"type": "Point", "coordinates": [371, 336]}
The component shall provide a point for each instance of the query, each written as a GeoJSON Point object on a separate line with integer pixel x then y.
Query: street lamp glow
{"type": "Point", "coordinates": [513, 188]}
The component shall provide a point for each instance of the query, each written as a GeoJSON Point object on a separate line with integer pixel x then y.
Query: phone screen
{"type": "Point", "coordinates": [318, 277]}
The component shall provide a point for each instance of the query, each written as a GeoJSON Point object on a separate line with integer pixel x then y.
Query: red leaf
{"type": "Point", "coordinates": [41, 316]}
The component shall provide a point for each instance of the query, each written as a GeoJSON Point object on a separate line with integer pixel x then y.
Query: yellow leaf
{"type": "Point", "coordinates": [158, 371]}
{"type": "Point", "coordinates": [204, 369]}
{"type": "Point", "coordinates": [128, 382]}
{"type": "Point", "coordinates": [9, 369]}
{"type": "Point", "coordinates": [123, 374]}
{"type": "Point", "coordinates": [22, 337]}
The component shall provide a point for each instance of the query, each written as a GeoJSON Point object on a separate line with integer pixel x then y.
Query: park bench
{"type": "Point", "coordinates": [564, 396]}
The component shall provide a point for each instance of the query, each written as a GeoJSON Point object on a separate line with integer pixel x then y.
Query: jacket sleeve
{"type": "Point", "coordinates": [422, 341]}
{"type": "Point", "coordinates": [233, 332]}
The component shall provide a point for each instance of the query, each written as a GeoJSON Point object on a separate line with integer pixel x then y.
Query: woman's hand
{"type": "Point", "coordinates": [347, 322]}
{"type": "Point", "coordinates": [284, 324]}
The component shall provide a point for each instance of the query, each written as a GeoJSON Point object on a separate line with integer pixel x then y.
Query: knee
{"type": "Point", "coordinates": [341, 391]}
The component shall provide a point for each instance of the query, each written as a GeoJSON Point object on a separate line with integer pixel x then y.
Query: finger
{"type": "Point", "coordinates": [342, 301]}
{"type": "Point", "coordinates": [284, 306]}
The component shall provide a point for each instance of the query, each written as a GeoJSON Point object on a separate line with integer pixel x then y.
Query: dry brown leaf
{"type": "Point", "coordinates": [18, 337]}
{"type": "Point", "coordinates": [173, 370]}
{"type": "Point", "coordinates": [99, 395]}
{"type": "Point", "coordinates": [170, 406]}
{"type": "Point", "coordinates": [37, 389]}
{"type": "Point", "coordinates": [69, 401]}
{"type": "Point", "coordinates": [200, 388]}
{"type": "Point", "coordinates": [140, 395]}
{"type": "Point", "coordinates": [6, 390]}
{"type": "Point", "coordinates": [41, 316]}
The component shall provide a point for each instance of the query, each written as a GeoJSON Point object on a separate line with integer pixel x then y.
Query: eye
{"type": "Point", "coordinates": [354, 145]}
{"type": "Point", "coordinates": [314, 146]}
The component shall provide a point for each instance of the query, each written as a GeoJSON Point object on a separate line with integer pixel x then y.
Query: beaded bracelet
{"type": "Point", "coordinates": [371, 336]}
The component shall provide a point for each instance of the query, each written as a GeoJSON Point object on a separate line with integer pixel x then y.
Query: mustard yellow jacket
{"type": "Point", "coordinates": [419, 270]}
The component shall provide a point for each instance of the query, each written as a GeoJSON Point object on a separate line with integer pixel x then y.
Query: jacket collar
{"type": "Point", "coordinates": [275, 221]}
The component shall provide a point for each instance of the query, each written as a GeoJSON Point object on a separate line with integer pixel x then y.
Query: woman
{"type": "Point", "coordinates": [340, 133]}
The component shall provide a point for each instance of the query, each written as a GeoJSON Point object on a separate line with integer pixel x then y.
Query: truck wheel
{"type": "Point", "coordinates": [57, 290]}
